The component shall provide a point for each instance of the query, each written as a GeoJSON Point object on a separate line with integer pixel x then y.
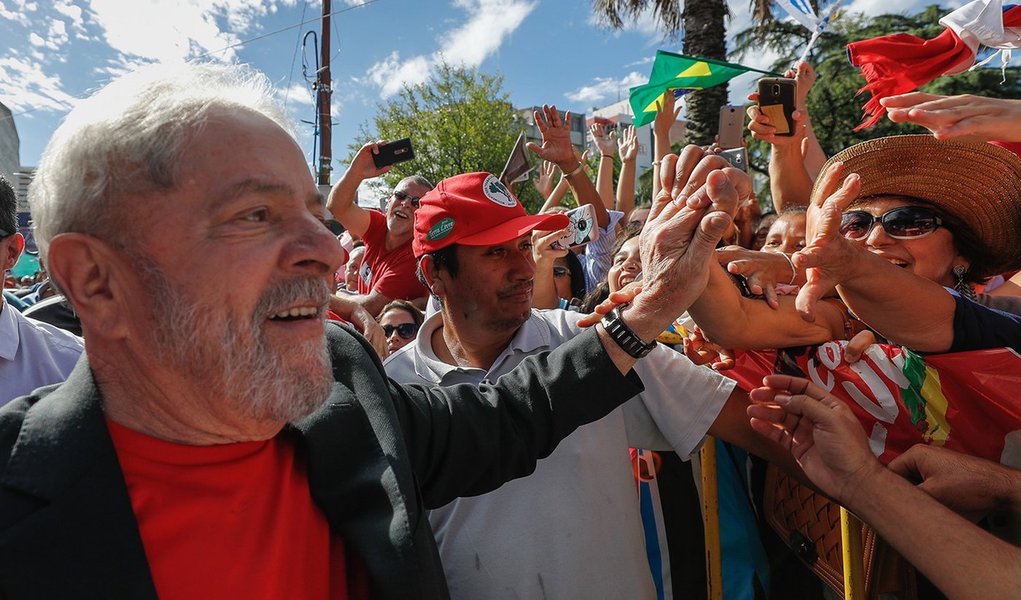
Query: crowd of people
{"type": "Point", "coordinates": [208, 394]}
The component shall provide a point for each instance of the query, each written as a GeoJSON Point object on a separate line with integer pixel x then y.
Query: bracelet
{"type": "Point", "coordinates": [609, 156]}
{"type": "Point", "coordinates": [794, 272]}
{"type": "Point", "coordinates": [578, 169]}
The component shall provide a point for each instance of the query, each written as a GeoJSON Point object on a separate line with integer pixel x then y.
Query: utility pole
{"type": "Point", "coordinates": [325, 91]}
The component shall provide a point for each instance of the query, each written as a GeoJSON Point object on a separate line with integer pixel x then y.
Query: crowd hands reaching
{"type": "Point", "coordinates": [853, 249]}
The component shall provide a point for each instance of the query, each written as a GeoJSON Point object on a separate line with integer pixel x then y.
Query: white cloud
{"type": "Point", "coordinates": [25, 86]}
{"type": "Point", "coordinates": [489, 24]}
{"type": "Point", "coordinates": [603, 88]}
{"type": "Point", "coordinates": [36, 39]}
{"type": "Point", "coordinates": [72, 12]}
{"type": "Point", "coordinates": [16, 15]}
{"type": "Point", "coordinates": [299, 93]}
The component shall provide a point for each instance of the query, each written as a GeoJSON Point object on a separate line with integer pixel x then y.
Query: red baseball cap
{"type": "Point", "coordinates": [474, 209]}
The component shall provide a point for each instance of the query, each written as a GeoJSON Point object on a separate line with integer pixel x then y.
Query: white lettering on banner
{"type": "Point", "coordinates": [877, 441]}
{"type": "Point", "coordinates": [892, 369]}
{"type": "Point", "coordinates": [888, 409]}
{"type": "Point", "coordinates": [825, 355]}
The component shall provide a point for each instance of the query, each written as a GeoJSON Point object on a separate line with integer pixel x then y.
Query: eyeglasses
{"type": "Point", "coordinates": [405, 330]}
{"type": "Point", "coordinates": [559, 271]}
{"type": "Point", "coordinates": [406, 197]}
{"type": "Point", "coordinates": [903, 223]}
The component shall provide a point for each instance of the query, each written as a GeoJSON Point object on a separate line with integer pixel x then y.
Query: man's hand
{"type": "Point", "coordinates": [356, 314]}
{"type": "Point", "coordinates": [628, 144]}
{"type": "Point", "coordinates": [677, 243]}
{"type": "Point", "coordinates": [969, 485]}
{"type": "Point", "coordinates": [543, 181]}
{"type": "Point", "coordinates": [763, 129]}
{"type": "Point", "coordinates": [820, 431]}
{"type": "Point", "coordinates": [948, 117]}
{"type": "Point", "coordinates": [362, 167]}
{"type": "Point", "coordinates": [607, 144]}
{"type": "Point", "coordinates": [828, 256]}
{"type": "Point", "coordinates": [556, 138]}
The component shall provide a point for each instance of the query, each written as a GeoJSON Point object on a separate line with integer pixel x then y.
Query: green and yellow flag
{"type": "Point", "coordinates": [684, 73]}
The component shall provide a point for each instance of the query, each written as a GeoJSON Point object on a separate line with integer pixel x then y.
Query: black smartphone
{"type": "Point", "coordinates": [731, 126]}
{"type": "Point", "coordinates": [394, 152]}
{"type": "Point", "coordinates": [776, 101]}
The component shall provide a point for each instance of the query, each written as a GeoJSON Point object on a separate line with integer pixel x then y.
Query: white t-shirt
{"type": "Point", "coordinates": [573, 528]}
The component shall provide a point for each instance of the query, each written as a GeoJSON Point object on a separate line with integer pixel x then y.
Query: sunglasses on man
{"type": "Point", "coordinates": [402, 196]}
{"type": "Point", "coordinates": [405, 330]}
{"type": "Point", "coordinates": [903, 223]}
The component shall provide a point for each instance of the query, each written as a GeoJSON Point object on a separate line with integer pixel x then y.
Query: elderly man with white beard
{"type": "Point", "coordinates": [219, 439]}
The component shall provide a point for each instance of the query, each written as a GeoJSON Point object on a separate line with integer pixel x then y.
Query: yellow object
{"type": "Point", "coordinates": [854, 557]}
{"type": "Point", "coordinates": [711, 518]}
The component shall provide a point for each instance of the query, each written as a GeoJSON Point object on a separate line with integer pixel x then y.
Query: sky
{"type": "Point", "coordinates": [548, 51]}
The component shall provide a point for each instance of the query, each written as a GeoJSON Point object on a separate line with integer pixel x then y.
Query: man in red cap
{"type": "Point", "coordinates": [585, 540]}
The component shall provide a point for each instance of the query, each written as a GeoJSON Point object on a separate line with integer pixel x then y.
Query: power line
{"type": "Point", "coordinates": [241, 43]}
{"type": "Point", "coordinates": [297, 44]}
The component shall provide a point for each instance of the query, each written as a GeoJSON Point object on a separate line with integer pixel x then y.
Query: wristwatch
{"type": "Point", "coordinates": [624, 336]}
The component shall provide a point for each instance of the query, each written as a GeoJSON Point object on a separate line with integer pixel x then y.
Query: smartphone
{"type": "Point", "coordinates": [737, 157]}
{"type": "Point", "coordinates": [581, 228]}
{"type": "Point", "coordinates": [731, 126]}
{"type": "Point", "coordinates": [776, 101]}
{"type": "Point", "coordinates": [394, 152]}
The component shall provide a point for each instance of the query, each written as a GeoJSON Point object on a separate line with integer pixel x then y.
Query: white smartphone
{"type": "Point", "coordinates": [581, 228]}
{"type": "Point", "coordinates": [731, 126]}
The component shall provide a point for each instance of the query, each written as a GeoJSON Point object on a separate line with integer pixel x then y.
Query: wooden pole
{"type": "Point", "coordinates": [325, 92]}
{"type": "Point", "coordinates": [711, 519]}
{"type": "Point", "coordinates": [854, 557]}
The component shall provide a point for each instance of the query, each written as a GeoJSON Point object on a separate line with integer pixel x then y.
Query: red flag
{"type": "Point", "coordinates": [898, 63]}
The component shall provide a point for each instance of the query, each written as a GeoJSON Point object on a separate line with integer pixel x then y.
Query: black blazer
{"type": "Point", "coordinates": [378, 455]}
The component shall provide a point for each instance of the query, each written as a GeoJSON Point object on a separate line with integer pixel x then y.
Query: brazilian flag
{"type": "Point", "coordinates": [682, 73]}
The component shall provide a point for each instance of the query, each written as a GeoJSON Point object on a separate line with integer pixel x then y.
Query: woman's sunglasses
{"type": "Point", "coordinates": [405, 330]}
{"type": "Point", "coordinates": [904, 223]}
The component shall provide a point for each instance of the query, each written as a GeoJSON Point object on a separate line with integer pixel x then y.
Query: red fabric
{"type": "Point", "coordinates": [231, 521]}
{"type": "Point", "coordinates": [392, 273]}
{"type": "Point", "coordinates": [969, 401]}
{"type": "Point", "coordinates": [896, 64]}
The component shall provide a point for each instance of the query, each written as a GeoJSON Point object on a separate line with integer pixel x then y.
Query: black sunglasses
{"type": "Point", "coordinates": [405, 330]}
{"type": "Point", "coordinates": [903, 223]}
{"type": "Point", "coordinates": [406, 197]}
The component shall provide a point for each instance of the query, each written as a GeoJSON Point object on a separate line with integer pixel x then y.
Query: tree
{"type": "Point", "coordinates": [460, 121]}
{"type": "Point", "coordinates": [833, 104]}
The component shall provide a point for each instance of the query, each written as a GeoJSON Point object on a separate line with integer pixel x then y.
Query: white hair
{"type": "Point", "coordinates": [127, 140]}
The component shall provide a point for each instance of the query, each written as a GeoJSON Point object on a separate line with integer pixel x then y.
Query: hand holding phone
{"type": "Point", "coordinates": [581, 228]}
{"type": "Point", "coordinates": [776, 101]}
{"type": "Point", "coordinates": [393, 152]}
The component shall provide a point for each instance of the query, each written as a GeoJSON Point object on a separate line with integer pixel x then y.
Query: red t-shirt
{"type": "Point", "coordinates": [231, 521]}
{"type": "Point", "coordinates": [390, 273]}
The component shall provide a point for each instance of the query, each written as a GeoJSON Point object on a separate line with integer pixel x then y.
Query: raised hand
{"type": "Point", "coordinates": [556, 138]}
{"type": "Point", "coordinates": [820, 431]}
{"type": "Point", "coordinates": [628, 144]}
{"type": "Point", "coordinates": [828, 255]}
{"type": "Point", "coordinates": [948, 117]}
{"type": "Point", "coordinates": [701, 351]}
{"type": "Point", "coordinates": [543, 181]}
{"type": "Point", "coordinates": [761, 270]}
{"type": "Point", "coordinates": [762, 129]}
{"type": "Point", "coordinates": [667, 116]}
{"type": "Point", "coordinates": [607, 143]}
{"type": "Point", "coordinates": [362, 166]}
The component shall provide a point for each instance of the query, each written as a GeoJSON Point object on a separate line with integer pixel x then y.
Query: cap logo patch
{"type": "Point", "coordinates": [497, 192]}
{"type": "Point", "coordinates": [440, 230]}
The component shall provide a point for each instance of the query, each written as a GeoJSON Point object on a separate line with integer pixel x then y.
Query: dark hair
{"type": "Point", "coordinates": [602, 291]}
{"type": "Point", "coordinates": [8, 207]}
{"type": "Point", "coordinates": [578, 288]}
{"type": "Point", "coordinates": [445, 257]}
{"type": "Point", "coordinates": [411, 309]}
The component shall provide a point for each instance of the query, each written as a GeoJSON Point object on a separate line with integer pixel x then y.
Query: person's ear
{"type": "Point", "coordinates": [431, 273]}
{"type": "Point", "coordinates": [95, 279]}
{"type": "Point", "coordinates": [10, 251]}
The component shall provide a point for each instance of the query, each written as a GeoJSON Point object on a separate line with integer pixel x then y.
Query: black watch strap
{"type": "Point", "coordinates": [624, 336]}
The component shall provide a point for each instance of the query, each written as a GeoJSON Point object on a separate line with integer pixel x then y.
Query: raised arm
{"type": "Point", "coordinates": [982, 118]}
{"type": "Point", "coordinates": [665, 119]}
{"type": "Point", "coordinates": [628, 147]}
{"type": "Point", "coordinates": [607, 145]}
{"type": "Point", "coordinates": [341, 202]}
{"type": "Point", "coordinates": [557, 148]}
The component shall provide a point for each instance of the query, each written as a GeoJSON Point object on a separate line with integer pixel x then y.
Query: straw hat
{"type": "Point", "coordinates": [976, 182]}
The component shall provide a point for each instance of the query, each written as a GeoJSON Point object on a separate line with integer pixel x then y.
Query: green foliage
{"type": "Point", "coordinates": [459, 121]}
{"type": "Point", "coordinates": [832, 104]}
